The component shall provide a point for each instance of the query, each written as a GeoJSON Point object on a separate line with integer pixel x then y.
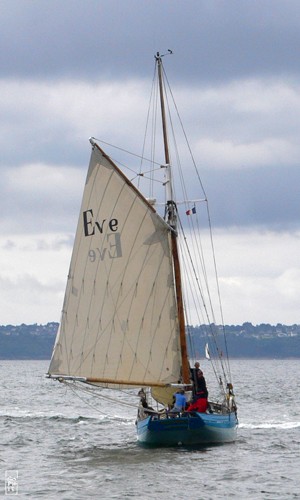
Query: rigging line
{"type": "Point", "coordinates": [118, 162]}
{"type": "Point", "coordinates": [186, 138]}
{"type": "Point", "coordinates": [214, 361]}
{"type": "Point", "coordinates": [203, 300]}
{"type": "Point", "coordinates": [197, 282]}
{"type": "Point", "coordinates": [194, 271]}
{"type": "Point", "coordinates": [150, 177]}
{"type": "Point", "coordinates": [88, 390]}
{"type": "Point", "coordinates": [192, 226]}
{"type": "Point", "coordinates": [154, 121]}
{"type": "Point", "coordinates": [126, 151]}
{"type": "Point", "coordinates": [140, 174]}
{"type": "Point", "coordinates": [153, 87]}
{"type": "Point", "coordinates": [173, 135]}
{"type": "Point", "coordinates": [183, 186]}
{"type": "Point", "coordinates": [182, 180]}
{"type": "Point", "coordinates": [76, 392]}
{"type": "Point", "coordinates": [218, 289]}
{"type": "Point", "coordinates": [189, 272]}
{"type": "Point", "coordinates": [200, 252]}
{"type": "Point", "coordinates": [175, 146]}
{"type": "Point", "coordinates": [187, 308]}
{"type": "Point", "coordinates": [210, 227]}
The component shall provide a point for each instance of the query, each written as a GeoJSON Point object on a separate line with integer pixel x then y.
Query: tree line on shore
{"type": "Point", "coordinates": [244, 341]}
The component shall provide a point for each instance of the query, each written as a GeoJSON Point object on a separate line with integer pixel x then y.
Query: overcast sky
{"type": "Point", "coordinates": [74, 69]}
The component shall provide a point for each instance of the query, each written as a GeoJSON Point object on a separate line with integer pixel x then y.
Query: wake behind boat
{"type": "Point", "coordinates": [127, 308]}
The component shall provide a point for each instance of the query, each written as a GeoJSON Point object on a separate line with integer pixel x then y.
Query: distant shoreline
{"type": "Point", "coordinates": [246, 341]}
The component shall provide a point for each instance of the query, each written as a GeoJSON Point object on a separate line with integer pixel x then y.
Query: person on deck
{"type": "Point", "coordinates": [199, 403]}
{"type": "Point", "coordinates": [180, 401]}
{"type": "Point", "coordinates": [148, 410]}
{"type": "Point", "coordinates": [201, 385]}
{"type": "Point", "coordinates": [194, 376]}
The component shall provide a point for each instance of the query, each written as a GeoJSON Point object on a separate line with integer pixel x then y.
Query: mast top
{"type": "Point", "coordinates": [158, 56]}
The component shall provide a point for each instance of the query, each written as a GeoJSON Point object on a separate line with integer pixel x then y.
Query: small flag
{"type": "Point", "coordinates": [191, 211]}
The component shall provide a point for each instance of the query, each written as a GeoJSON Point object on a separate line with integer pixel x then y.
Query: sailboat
{"type": "Point", "coordinates": [124, 323]}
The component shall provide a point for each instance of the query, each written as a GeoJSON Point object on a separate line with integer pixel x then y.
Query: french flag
{"type": "Point", "coordinates": [191, 211]}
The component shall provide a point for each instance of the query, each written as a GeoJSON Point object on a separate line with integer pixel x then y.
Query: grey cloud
{"type": "Point", "coordinates": [265, 196]}
{"type": "Point", "coordinates": [212, 40]}
{"type": "Point", "coordinates": [114, 39]}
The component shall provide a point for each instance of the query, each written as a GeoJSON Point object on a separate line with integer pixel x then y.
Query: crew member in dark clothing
{"type": "Point", "coordinates": [143, 401]}
{"type": "Point", "coordinates": [199, 402]}
{"type": "Point", "coordinates": [194, 376]}
{"type": "Point", "coordinates": [201, 385]}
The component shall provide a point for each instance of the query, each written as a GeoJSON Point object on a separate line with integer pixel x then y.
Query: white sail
{"type": "Point", "coordinates": [119, 321]}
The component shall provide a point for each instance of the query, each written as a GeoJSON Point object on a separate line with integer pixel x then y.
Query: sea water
{"type": "Point", "coordinates": [57, 444]}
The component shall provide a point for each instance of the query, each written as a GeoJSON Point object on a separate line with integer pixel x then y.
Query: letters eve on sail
{"type": "Point", "coordinates": [89, 224]}
{"type": "Point", "coordinates": [113, 248]}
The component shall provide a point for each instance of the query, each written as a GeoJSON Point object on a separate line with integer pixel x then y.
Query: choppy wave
{"type": "Point", "coordinates": [29, 416]}
{"type": "Point", "coordinates": [63, 448]}
{"type": "Point", "coordinates": [270, 425]}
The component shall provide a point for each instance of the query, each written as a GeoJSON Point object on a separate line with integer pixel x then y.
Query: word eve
{"type": "Point", "coordinates": [111, 247]}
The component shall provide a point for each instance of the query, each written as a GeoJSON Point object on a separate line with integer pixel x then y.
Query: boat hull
{"type": "Point", "coordinates": [187, 429]}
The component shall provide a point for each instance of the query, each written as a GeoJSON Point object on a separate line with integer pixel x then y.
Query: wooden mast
{"type": "Point", "coordinates": [172, 220]}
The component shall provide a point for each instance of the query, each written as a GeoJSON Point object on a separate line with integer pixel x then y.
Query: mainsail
{"type": "Point", "coordinates": [119, 322]}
